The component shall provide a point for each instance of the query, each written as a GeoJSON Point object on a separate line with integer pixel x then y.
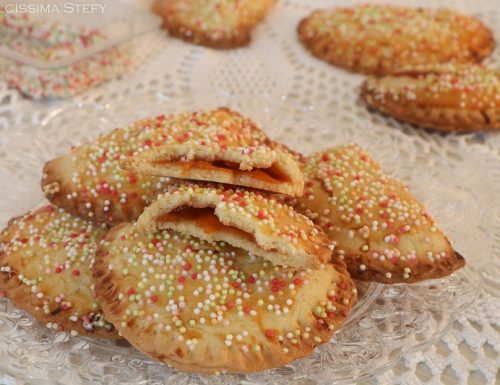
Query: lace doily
{"type": "Point", "coordinates": [390, 321]}
{"type": "Point", "coordinates": [277, 67]}
{"type": "Point", "coordinates": [8, 100]}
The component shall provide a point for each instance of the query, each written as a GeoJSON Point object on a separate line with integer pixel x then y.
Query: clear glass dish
{"type": "Point", "coordinates": [388, 321]}
{"type": "Point", "coordinates": [103, 25]}
{"type": "Point", "coordinates": [57, 49]}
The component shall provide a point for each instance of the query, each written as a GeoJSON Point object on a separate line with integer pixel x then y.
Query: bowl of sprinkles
{"type": "Point", "coordinates": [59, 55]}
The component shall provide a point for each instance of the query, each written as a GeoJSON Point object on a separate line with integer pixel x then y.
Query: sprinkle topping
{"type": "Point", "coordinates": [379, 38]}
{"type": "Point", "coordinates": [183, 287]}
{"type": "Point", "coordinates": [248, 219]}
{"type": "Point", "coordinates": [104, 188]}
{"type": "Point", "coordinates": [45, 40]}
{"type": "Point", "coordinates": [374, 220]}
{"type": "Point", "coordinates": [49, 41]}
{"type": "Point", "coordinates": [218, 19]}
{"type": "Point", "coordinates": [51, 252]}
{"type": "Point", "coordinates": [463, 86]}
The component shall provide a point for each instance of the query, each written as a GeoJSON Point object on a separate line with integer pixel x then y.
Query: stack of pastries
{"type": "Point", "coordinates": [211, 247]}
{"type": "Point", "coordinates": [423, 64]}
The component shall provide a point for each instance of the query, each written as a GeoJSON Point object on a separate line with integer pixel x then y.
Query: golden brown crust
{"type": "Point", "coordinates": [107, 206]}
{"type": "Point", "coordinates": [89, 182]}
{"type": "Point", "coordinates": [246, 219]}
{"type": "Point", "coordinates": [378, 39]}
{"type": "Point", "coordinates": [446, 98]}
{"type": "Point", "coordinates": [19, 295]}
{"type": "Point", "coordinates": [245, 336]}
{"type": "Point", "coordinates": [426, 271]}
{"type": "Point", "coordinates": [58, 296]}
{"type": "Point", "coordinates": [214, 23]}
{"type": "Point", "coordinates": [380, 230]}
{"type": "Point", "coordinates": [59, 189]}
{"type": "Point", "coordinates": [221, 146]}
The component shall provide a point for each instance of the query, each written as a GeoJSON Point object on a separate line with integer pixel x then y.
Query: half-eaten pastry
{"type": "Point", "coordinates": [89, 182]}
{"type": "Point", "coordinates": [220, 146]}
{"type": "Point", "coordinates": [245, 219]}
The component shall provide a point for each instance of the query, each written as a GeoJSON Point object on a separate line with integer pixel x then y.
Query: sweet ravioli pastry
{"type": "Point", "coordinates": [380, 230]}
{"type": "Point", "coordinates": [378, 39]}
{"type": "Point", "coordinates": [221, 146]}
{"type": "Point", "coordinates": [213, 23]}
{"type": "Point", "coordinates": [89, 182]}
{"type": "Point", "coordinates": [242, 218]}
{"type": "Point", "coordinates": [45, 261]}
{"type": "Point", "coordinates": [209, 307]}
{"type": "Point", "coordinates": [447, 97]}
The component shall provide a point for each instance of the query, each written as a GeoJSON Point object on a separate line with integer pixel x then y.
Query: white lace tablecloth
{"type": "Point", "coordinates": [276, 65]}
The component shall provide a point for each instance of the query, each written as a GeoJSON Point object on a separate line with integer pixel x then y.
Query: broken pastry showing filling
{"type": "Point", "coordinates": [221, 146]}
{"type": "Point", "coordinates": [242, 218]}
{"type": "Point", "coordinates": [90, 181]}
{"type": "Point", "coordinates": [380, 230]}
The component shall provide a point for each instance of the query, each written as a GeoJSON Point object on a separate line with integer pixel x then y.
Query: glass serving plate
{"type": "Point", "coordinates": [387, 322]}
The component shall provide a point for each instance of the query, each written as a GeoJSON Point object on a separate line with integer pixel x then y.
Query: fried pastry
{"type": "Point", "coordinates": [448, 98]}
{"type": "Point", "coordinates": [89, 182]}
{"type": "Point", "coordinates": [221, 146]}
{"type": "Point", "coordinates": [379, 229]}
{"type": "Point", "coordinates": [378, 39]}
{"type": "Point", "coordinates": [246, 219]}
{"type": "Point", "coordinates": [209, 307]}
{"type": "Point", "coordinates": [212, 23]}
{"type": "Point", "coordinates": [45, 260]}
